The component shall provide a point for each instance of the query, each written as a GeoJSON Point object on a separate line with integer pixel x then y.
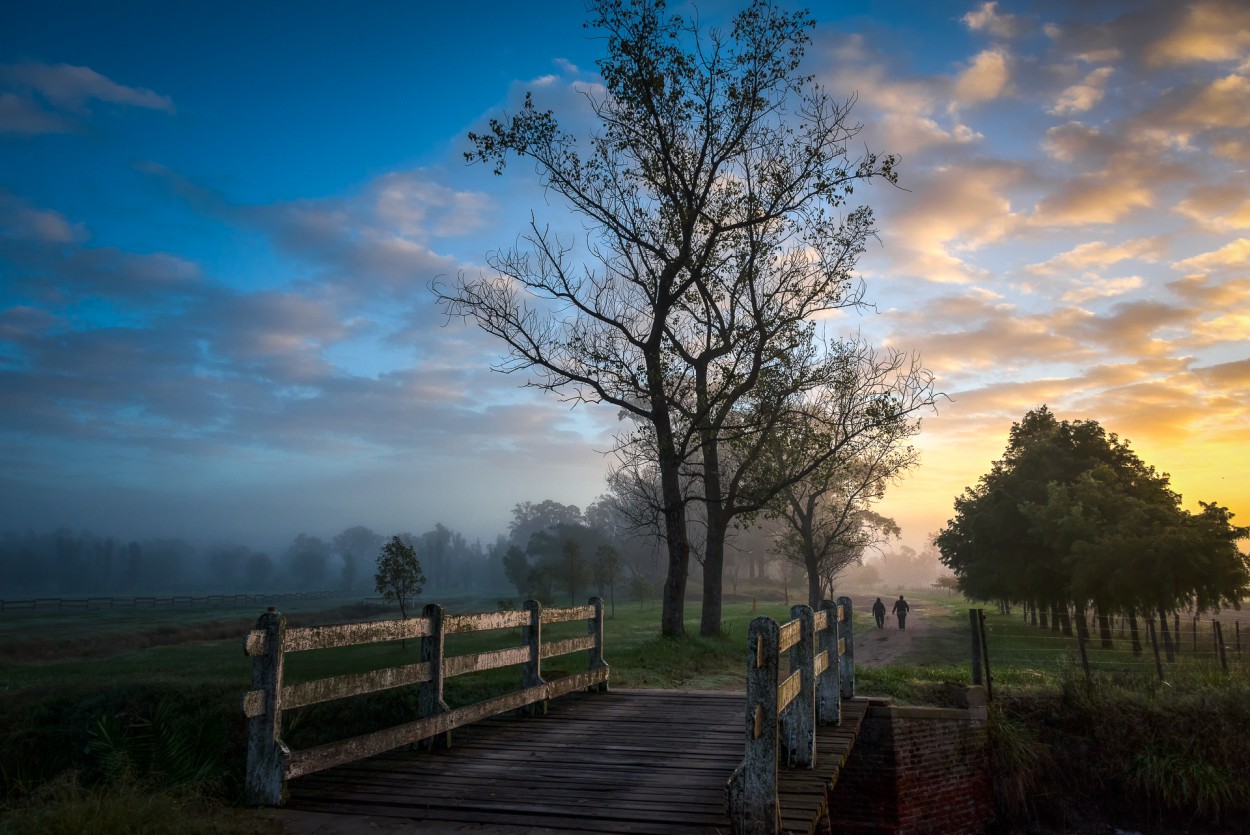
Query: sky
{"type": "Point", "coordinates": [219, 224]}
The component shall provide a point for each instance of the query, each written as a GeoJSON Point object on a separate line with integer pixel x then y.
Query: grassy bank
{"type": "Point", "coordinates": [122, 728]}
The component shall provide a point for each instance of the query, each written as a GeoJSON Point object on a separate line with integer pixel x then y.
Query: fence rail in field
{"type": "Point", "coordinates": [270, 762]}
{"type": "Point", "coordinates": [149, 602]}
{"type": "Point", "coordinates": [782, 717]}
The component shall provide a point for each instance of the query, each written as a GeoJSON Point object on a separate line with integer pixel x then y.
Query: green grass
{"type": "Point", "coordinates": [126, 718]}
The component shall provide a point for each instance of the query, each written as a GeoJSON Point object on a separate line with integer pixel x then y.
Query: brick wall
{"type": "Point", "coordinates": [916, 771]}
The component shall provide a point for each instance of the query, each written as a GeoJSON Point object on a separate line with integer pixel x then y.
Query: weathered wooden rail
{"type": "Point", "coordinates": [270, 762]}
{"type": "Point", "coordinates": [782, 719]}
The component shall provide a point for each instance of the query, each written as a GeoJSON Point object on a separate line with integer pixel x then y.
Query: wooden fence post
{"type": "Point", "coordinates": [532, 670]}
{"type": "Point", "coordinates": [430, 693]}
{"type": "Point", "coordinates": [974, 623]}
{"type": "Point", "coordinates": [594, 627]}
{"type": "Point", "coordinates": [1218, 632]}
{"type": "Point", "coordinates": [753, 795]}
{"type": "Point", "coordinates": [798, 720]}
{"type": "Point", "coordinates": [1154, 646]}
{"type": "Point", "coordinates": [266, 753]}
{"type": "Point", "coordinates": [828, 683]}
{"type": "Point", "coordinates": [846, 654]}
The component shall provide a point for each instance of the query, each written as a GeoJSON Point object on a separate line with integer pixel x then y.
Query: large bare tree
{"type": "Point", "coordinates": [713, 161]}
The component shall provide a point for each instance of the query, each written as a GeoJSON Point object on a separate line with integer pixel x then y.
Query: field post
{"type": "Point", "coordinates": [532, 670]}
{"type": "Point", "coordinates": [266, 753]}
{"type": "Point", "coordinates": [753, 806]}
{"type": "Point", "coordinates": [594, 628]}
{"type": "Point", "coordinates": [1081, 627]}
{"type": "Point", "coordinates": [1154, 646]}
{"type": "Point", "coordinates": [798, 721]}
{"type": "Point", "coordinates": [846, 650]}
{"type": "Point", "coordinates": [985, 655]}
{"type": "Point", "coordinates": [430, 692]}
{"type": "Point", "coordinates": [828, 687]}
{"type": "Point", "coordinates": [974, 624]}
{"type": "Point", "coordinates": [1218, 632]}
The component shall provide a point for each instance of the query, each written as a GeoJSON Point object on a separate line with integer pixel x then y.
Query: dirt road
{"type": "Point", "coordinates": [875, 647]}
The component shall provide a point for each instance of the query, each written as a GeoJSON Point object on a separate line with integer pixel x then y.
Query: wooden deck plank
{"type": "Point", "coordinates": [623, 761]}
{"type": "Point", "coordinates": [638, 761]}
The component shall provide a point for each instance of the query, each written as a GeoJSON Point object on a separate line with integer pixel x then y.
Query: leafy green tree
{"type": "Point", "coordinates": [399, 578]}
{"type": "Point", "coordinates": [1072, 516]}
{"type": "Point", "coordinates": [714, 181]}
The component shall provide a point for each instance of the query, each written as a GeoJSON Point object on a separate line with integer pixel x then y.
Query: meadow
{"type": "Point", "coordinates": [120, 716]}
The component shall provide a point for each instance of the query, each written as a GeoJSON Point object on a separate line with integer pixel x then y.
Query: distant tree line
{"type": "Point", "coordinates": [67, 562]}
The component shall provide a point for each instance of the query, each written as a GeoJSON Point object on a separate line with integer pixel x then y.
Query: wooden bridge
{"type": "Point", "coordinates": [620, 761]}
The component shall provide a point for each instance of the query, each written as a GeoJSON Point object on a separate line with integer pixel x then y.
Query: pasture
{"type": "Point", "coordinates": [127, 701]}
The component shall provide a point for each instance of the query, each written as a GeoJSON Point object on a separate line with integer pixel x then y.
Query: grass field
{"type": "Point", "coordinates": [100, 708]}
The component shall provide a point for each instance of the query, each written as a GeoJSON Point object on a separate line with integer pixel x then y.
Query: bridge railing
{"type": "Point", "coordinates": [781, 718]}
{"type": "Point", "coordinates": [270, 762]}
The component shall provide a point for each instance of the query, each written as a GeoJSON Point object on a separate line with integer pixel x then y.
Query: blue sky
{"type": "Point", "coordinates": [218, 224]}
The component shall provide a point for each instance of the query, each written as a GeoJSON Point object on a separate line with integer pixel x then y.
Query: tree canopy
{"type": "Point", "coordinates": [1071, 515]}
{"type": "Point", "coordinates": [713, 192]}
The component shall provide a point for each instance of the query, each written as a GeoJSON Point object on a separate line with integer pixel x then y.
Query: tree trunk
{"type": "Point", "coordinates": [1043, 621]}
{"type": "Point", "coordinates": [714, 549]}
{"type": "Point", "coordinates": [1065, 621]}
{"type": "Point", "coordinates": [1168, 649]}
{"type": "Point", "coordinates": [1134, 634]}
{"type": "Point", "coordinates": [1104, 629]}
{"type": "Point", "coordinates": [673, 611]}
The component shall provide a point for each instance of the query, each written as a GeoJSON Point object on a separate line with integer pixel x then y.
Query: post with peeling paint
{"type": "Point", "coordinates": [847, 657]}
{"type": "Point", "coordinates": [594, 628]}
{"type": "Point", "coordinates": [753, 789]}
{"type": "Point", "coordinates": [430, 693]}
{"type": "Point", "coordinates": [532, 670]}
{"type": "Point", "coordinates": [828, 683]}
{"type": "Point", "coordinates": [266, 753]}
{"type": "Point", "coordinates": [798, 720]}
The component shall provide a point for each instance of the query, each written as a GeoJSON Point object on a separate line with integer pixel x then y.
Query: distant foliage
{"type": "Point", "coordinates": [399, 578]}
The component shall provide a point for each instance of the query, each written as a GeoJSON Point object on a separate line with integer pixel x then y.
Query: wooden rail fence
{"type": "Point", "coordinates": [270, 762]}
{"type": "Point", "coordinates": [782, 718]}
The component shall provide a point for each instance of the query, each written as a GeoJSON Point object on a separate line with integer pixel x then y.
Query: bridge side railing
{"type": "Point", "coordinates": [781, 718]}
{"type": "Point", "coordinates": [270, 762]}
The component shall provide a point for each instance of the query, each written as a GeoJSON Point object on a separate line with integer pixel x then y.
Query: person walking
{"type": "Point", "coordinates": [878, 612]}
{"type": "Point", "coordinates": [901, 608]}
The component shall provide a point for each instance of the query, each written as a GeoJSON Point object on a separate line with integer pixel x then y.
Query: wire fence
{"type": "Point", "coordinates": [1115, 647]}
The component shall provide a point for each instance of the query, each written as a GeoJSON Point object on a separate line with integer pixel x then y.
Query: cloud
{"type": "Point", "coordinates": [1084, 95]}
{"type": "Point", "coordinates": [985, 79]}
{"type": "Point", "coordinates": [987, 18]}
{"type": "Point", "coordinates": [1234, 254]}
{"type": "Point", "coordinates": [1210, 31]}
{"type": "Point", "coordinates": [1103, 288]}
{"type": "Point", "coordinates": [1095, 254]}
{"type": "Point", "coordinates": [52, 98]}
{"type": "Point", "coordinates": [19, 221]}
{"type": "Point", "coordinates": [69, 87]}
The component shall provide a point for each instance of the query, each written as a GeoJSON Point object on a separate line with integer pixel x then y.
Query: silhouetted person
{"type": "Point", "coordinates": [901, 608]}
{"type": "Point", "coordinates": [878, 612]}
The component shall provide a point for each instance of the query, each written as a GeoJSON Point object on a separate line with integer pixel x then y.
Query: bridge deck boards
{"type": "Point", "coordinates": [642, 761]}
{"type": "Point", "coordinates": [623, 761]}
{"type": "Point", "coordinates": [801, 793]}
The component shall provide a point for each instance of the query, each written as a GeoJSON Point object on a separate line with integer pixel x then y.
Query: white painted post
{"type": "Point", "coordinates": [266, 753]}
{"type": "Point", "coordinates": [847, 659]}
{"type": "Point", "coordinates": [594, 627]}
{"type": "Point", "coordinates": [828, 683]}
{"type": "Point", "coordinates": [532, 670]}
{"type": "Point", "coordinates": [798, 720]}
{"type": "Point", "coordinates": [430, 693]}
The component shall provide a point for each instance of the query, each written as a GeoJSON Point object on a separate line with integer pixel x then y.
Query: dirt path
{"type": "Point", "coordinates": [875, 647]}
